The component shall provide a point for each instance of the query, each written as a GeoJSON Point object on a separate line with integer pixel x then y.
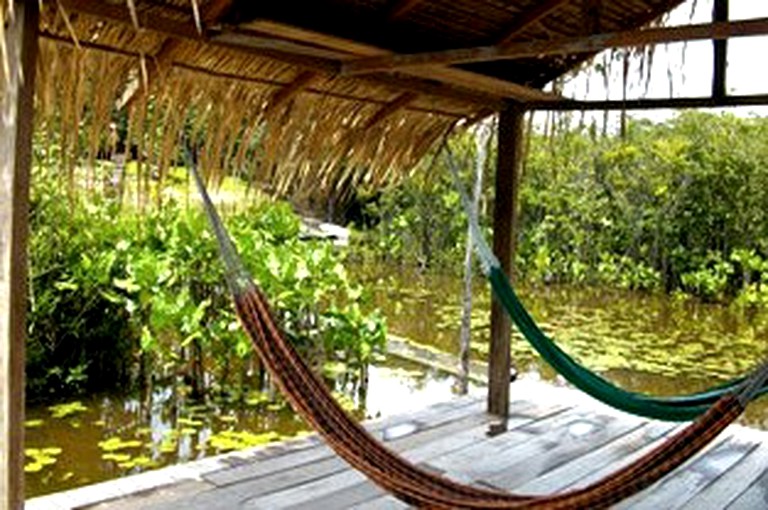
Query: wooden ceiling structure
{"type": "Point", "coordinates": [477, 55]}
{"type": "Point", "coordinates": [373, 77]}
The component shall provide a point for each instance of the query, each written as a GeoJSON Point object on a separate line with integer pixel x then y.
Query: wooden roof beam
{"type": "Point", "coordinates": [400, 8]}
{"type": "Point", "coordinates": [282, 96]}
{"type": "Point", "coordinates": [210, 13]}
{"type": "Point", "coordinates": [455, 77]}
{"type": "Point", "coordinates": [528, 18]}
{"type": "Point", "coordinates": [487, 94]}
{"type": "Point", "coordinates": [214, 10]}
{"type": "Point", "coordinates": [245, 79]}
{"type": "Point", "coordinates": [390, 109]}
{"type": "Point", "coordinates": [651, 103]}
{"type": "Point", "coordinates": [306, 78]}
{"type": "Point", "coordinates": [385, 112]}
{"type": "Point", "coordinates": [566, 46]}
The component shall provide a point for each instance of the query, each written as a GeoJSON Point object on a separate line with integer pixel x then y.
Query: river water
{"type": "Point", "coordinates": [651, 343]}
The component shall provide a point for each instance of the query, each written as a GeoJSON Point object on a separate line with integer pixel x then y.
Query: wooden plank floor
{"type": "Point", "coordinates": [556, 439]}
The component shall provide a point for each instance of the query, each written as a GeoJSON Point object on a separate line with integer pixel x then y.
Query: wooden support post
{"type": "Point", "coordinates": [509, 155]}
{"type": "Point", "coordinates": [720, 13]}
{"type": "Point", "coordinates": [16, 111]}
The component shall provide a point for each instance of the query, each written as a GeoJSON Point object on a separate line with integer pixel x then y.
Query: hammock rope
{"type": "Point", "coordinates": [674, 408]}
{"type": "Point", "coordinates": [414, 485]}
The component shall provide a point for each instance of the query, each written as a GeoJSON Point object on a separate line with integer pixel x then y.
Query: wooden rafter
{"type": "Point", "coordinates": [456, 77]}
{"type": "Point", "coordinates": [592, 12]}
{"type": "Point", "coordinates": [390, 109]}
{"type": "Point", "coordinates": [172, 28]}
{"type": "Point", "coordinates": [306, 78]}
{"type": "Point", "coordinates": [214, 10]}
{"type": "Point", "coordinates": [386, 111]}
{"type": "Point", "coordinates": [400, 8]}
{"type": "Point", "coordinates": [246, 79]}
{"type": "Point", "coordinates": [574, 45]}
{"type": "Point", "coordinates": [211, 12]}
{"type": "Point", "coordinates": [651, 103]}
{"type": "Point", "coordinates": [282, 96]}
{"type": "Point", "coordinates": [528, 18]}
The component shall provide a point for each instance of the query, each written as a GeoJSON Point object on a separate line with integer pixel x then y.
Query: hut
{"type": "Point", "coordinates": [372, 84]}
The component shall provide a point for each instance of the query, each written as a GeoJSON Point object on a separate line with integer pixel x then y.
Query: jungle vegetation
{"type": "Point", "coordinates": [125, 288]}
{"type": "Point", "coordinates": [120, 297]}
{"type": "Point", "coordinates": [678, 207]}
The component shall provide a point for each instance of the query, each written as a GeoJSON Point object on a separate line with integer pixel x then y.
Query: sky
{"type": "Point", "coordinates": [690, 65]}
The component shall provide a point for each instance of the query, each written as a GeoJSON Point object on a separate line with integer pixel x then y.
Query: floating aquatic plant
{"type": "Point", "coordinates": [140, 461]}
{"type": "Point", "coordinates": [117, 457]}
{"type": "Point", "coordinates": [189, 422]}
{"type": "Point", "coordinates": [40, 457]}
{"type": "Point", "coordinates": [67, 409]}
{"type": "Point", "coordinates": [228, 440]}
{"type": "Point", "coordinates": [114, 444]}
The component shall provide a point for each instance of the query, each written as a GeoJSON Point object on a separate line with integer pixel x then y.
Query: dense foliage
{"type": "Point", "coordinates": [678, 206]}
{"type": "Point", "coordinates": [118, 296]}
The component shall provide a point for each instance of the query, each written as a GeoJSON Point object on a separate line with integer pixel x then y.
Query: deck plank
{"type": "Point", "coordinates": [755, 496]}
{"type": "Point", "coordinates": [558, 447]}
{"type": "Point", "coordinates": [611, 453]}
{"type": "Point", "coordinates": [325, 492]}
{"type": "Point", "coordinates": [674, 491]}
{"type": "Point", "coordinates": [725, 490]}
{"type": "Point", "coordinates": [593, 476]}
{"type": "Point", "coordinates": [280, 458]}
{"type": "Point", "coordinates": [384, 503]}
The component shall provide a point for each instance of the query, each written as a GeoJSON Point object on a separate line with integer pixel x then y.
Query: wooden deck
{"type": "Point", "coordinates": [555, 439]}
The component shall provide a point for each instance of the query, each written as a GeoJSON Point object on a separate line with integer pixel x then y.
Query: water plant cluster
{"type": "Point", "coordinates": [119, 296]}
{"type": "Point", "coordinates": [676, 206]}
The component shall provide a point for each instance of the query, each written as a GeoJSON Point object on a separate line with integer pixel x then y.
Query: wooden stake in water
{"type": "Point", "coordinates": [482, 137]}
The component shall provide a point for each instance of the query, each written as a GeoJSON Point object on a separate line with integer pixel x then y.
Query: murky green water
{"type": "Point", "coordinates": [655, 344]}
{"type": "Point", "coordinates": [108, 436]}
{"type": "Point", "coordinates": [651, 343]}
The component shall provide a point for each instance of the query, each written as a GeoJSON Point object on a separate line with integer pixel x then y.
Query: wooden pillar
{"type": "Point", "coordinates": [720, 13]}
{"type": "Point", "coordinates": [509, 156]}
{"type": "Point", "coordinates": [16, 112]}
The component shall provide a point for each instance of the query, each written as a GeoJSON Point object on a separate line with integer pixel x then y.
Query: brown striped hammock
{"type": "Point", "coordinates": [408, 482]}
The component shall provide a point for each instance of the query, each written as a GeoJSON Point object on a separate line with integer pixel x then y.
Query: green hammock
{"type": "Point", "coordinates": [677, 408]}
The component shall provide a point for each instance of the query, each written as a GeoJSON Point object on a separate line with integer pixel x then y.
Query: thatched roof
{"type": "Point", "coordinates": [273, 71]}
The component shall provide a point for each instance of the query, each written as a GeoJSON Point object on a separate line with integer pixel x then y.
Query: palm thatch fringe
{"type": "Point", "coordinates": [311, 142]}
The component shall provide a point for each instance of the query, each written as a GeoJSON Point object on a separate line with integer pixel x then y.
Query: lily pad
{"type": "Point", "coordinates": [168, 446]}
{"type": "Point", "coordinates": [115, 443]}
{"type": "Point", "coordinates": [141, 461]}
{"type": "Point", "coordinates": [68, 409]}
{"type": "Point", "coordinates": [189, 422]}
{"type": "Point", "coordinates": [117, 457]}
{"type": "Point", "coordinates": [40, 457]}
{"type": "Point", "coordinates": [256, 398]}
{"type": "Point", "coordinates": [228, 440]}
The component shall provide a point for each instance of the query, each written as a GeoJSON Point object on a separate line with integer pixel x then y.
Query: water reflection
{"type": "Point", "coordinates": [654, 344]}
{"type": "Point", "coordinates": [650, 343]}
{"type": "Point", "coordinates": [109, 436]}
